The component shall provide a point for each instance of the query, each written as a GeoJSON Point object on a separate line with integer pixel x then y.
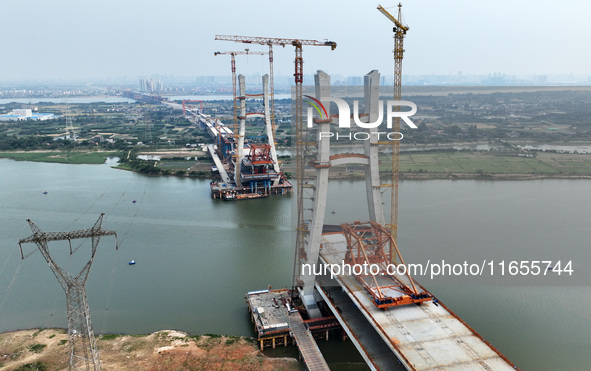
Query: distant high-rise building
{"type": "Point", "coordinates": [540, 79]}
{"type": "Point", "coordinates": [151, 86]}
{"type": "Point", "coordinates": [354, 81]}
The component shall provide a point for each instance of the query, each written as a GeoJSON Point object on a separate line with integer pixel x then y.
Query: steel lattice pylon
{"type": "Point", "coordinates": [83, 351]}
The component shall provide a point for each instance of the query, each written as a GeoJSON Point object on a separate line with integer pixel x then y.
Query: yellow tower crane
{"type": "Point", "coordinates": [399, 33]}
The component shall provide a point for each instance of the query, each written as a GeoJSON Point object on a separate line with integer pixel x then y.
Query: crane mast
{"type": "Point", "coordinates": [270, 41]}
{"type": "Point", "coordinates": [233, 55]}
{"type": "Point", "coordinates": [299, 137]}
{"type": "Point", "coordinates": [399, 33]}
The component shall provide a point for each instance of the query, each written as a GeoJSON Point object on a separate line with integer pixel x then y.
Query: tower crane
{"type": "Point", "coordinates": [399, 33]}
{"type": "Point", "coordinates": [270, 41]}
{"type": "Point", "coordinates": [233, 64]}
{"type": "Point", "coordinates": [299, 78]}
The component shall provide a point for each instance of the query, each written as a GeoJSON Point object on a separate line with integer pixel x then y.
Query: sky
{"type": "Point", "coordinates": [102, 39]}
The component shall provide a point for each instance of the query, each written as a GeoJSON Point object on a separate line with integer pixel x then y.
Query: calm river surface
{"type": "Point", "coordinates": [197, 257]}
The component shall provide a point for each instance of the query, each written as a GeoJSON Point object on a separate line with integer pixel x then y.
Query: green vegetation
{"type": "Point", "coordinates": [198, 167]}
{"type": "Point", "coordinates": [472, 162]}
{"type": "Point", "coordinates": [446, 115]}
{"type": "Point", "coordinates": [109, 336]}
{"type": "Point", "coordinates": [232, 339]}
{"type": "Point", "coordinates": [103, 125]}
{"type": "Point", "coordinates": [36, 348]}
{"type": "Point", "coordinates": [70, 157]}
{"type": "Point", "coordinates": [37, 366]}
{"type": "Point", "coordinates": [62, 342]}
{"type": "Point", "coordinates": [133, 344]}
{"type": "Point", "coordinates": [493, 162]}
{"type": "Point", "coordinates": [572, 164]}
{"type": "Point", "coordinates": [544, 116]}
{"type": "Point", "coordinates": [162, 335]}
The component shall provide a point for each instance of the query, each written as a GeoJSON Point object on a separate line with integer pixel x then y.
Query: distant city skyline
{"type": "Point", "coordinates": [109, 40]}
{"type": "Point", "coordinates": [159, 83]}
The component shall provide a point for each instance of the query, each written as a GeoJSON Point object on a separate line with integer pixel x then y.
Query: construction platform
{"type": "Point", "coordinates": [226, 189]}
{"type": "Point", "coordinates": [229, 191]}
{"type": "Point", "coordinates": [278, 323]}
{"type": "Point", "coordinates": [422, 337]}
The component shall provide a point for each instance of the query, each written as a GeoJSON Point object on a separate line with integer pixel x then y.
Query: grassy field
{"type": "Point", "coordinates": [176, 165]}
{"type": "Point", "coordinates": [492, 163]}
{"type": "Point", "coordinates": [427, 162]}
{"type": "Point", "coordinates": [575, 164]}
{"type": "Point", "coordinates": [472, 162]}
{"type": "Point", "coordinates": [72, 157]}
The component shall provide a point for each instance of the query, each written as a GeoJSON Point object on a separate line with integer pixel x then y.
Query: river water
{"type": "Point", "coordinates": [197, 257]}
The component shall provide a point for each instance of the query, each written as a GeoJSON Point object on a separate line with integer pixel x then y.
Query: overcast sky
{"type": "Point", "coordinates": [73, 39]}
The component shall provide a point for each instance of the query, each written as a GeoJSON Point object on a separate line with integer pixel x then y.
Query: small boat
{"type": "Point", "coordinates": [333, 212]}
{"type": "Point", "coordinates": [132, 262]}
{"type": "Point", "coordinates": [134, 201]}
{"type": "Point", "coordinates": [44, 192]}
{"type": "Point", "coordinates": [229, 196]}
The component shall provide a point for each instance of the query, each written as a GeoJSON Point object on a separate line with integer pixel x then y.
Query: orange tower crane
{"type": "Point", "coordinates": [399, 33]}
{"type": "Point", "coordinates": [299, 78]}
{"type": "Point", "coordinates": [233, 65]}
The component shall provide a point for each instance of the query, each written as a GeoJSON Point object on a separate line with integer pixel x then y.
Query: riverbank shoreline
{"type": "Point", "coordinates": [47, 349]}
{"type": "Point", "coordinates": [418, 165]}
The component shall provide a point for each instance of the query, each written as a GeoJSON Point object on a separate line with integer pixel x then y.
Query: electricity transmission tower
{"type": "Point", "coordinates": [83, 351]}
{"type": "Point", "coordinates": [70, 134]}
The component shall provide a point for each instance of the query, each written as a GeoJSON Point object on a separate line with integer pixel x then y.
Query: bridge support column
{"type": "Point", "coordinates": [322, 82]}
{"type": "Point", "coordinates": [241, 131]}
{"type": "Point", "coordinates": [323, 163]}
{"type": "Point", "coordinates": [370, 148]}
{"type": "Point", "coordinates": [269, 126]}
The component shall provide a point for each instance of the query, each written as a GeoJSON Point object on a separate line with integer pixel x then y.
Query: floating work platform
{"type": "Point", "coordinates": [230, 192]}
{"type": "Point", "coordinates": [424, 336]}
{"type": "Point", "coordinates": [226, 189]}
{"type": "Point", "coordinates": [278, 323]}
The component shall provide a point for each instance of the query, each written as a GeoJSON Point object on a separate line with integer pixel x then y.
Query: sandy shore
{"type": "Point", "coordinates": [159, 351]}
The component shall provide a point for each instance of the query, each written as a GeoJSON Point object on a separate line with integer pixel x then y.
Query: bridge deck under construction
{"type": "Point", "coordinates": [218, 164]}
{"type": "Point", "coordinates": [422, 337]}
